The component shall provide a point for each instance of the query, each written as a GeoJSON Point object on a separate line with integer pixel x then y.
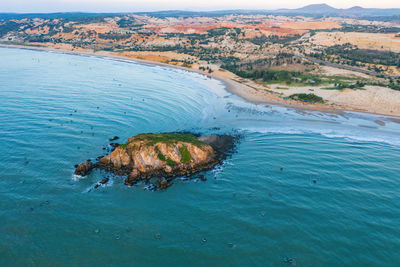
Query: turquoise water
{"type": "Point", "coordinates": [335, 202]}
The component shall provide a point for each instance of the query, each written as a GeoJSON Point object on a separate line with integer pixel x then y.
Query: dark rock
{"type": "Point", "coordinates": [114, 145]}
{"type": "Point", "coordinates": [201, 177]}
{"type": "Point", "coordinates": [133, 177]}
{"type": "Point", "coordinates": [84, 169]}
{"type": "Point", "coordinates": [164, 184]}
{"type": "Point", "coordinates": [45, 203]}
{"type": "Point", "coordinates": [113, 139]}
{"type": "Point", "coordinates": [222, 144]}
{"type": "Point", "coordinates": [102, 182]}
{"type": "Point", "coordinates": [286, 259]}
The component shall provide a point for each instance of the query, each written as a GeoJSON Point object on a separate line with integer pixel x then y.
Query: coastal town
{"type": "Point", "coordinates": [328, 63]}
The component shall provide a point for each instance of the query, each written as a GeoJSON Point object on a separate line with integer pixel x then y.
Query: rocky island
{"type": "Point", "coordinates": [164, 155]}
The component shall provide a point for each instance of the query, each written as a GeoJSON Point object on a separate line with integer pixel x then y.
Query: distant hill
{"type": "Point", "coordinates": [324, 9]}
{"type": "Point", "coordinates": [310, 10]}
{"type": "Point", "coordinates": [318, 8]}
{"type": "Point", "coordinates": [65, 15]}
{"type": "Point", "coordinates": [315, 10]}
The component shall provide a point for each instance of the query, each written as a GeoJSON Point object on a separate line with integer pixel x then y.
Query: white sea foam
{"type": "Point", "coordinates": [350, 135]}
{"type": "Point", "coordinates": [217, 170]}
{"type": "Point", "coordinates": [76, 177]}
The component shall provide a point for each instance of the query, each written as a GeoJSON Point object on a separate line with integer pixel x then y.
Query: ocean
{"type": "Point", "coordinates": [302, 188]}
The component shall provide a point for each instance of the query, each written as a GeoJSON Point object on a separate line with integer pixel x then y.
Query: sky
{"type": "Point", "coordinates": [22, 6]}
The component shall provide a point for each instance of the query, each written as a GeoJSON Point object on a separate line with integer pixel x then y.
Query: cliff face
{"type": "Point", "coordinates": [145, 158]}
{"type": "Point", "coordinates": [163, 155]}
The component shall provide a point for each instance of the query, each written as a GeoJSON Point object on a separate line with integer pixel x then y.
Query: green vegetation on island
{"type": "Point", "coordinates": [307, 98]}
{"type": "Point", "coordinates": [185, 154]}
{"type": "Point", "coordinates": [167, 138]}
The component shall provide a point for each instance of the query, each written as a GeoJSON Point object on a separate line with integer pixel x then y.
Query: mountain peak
{"type": "Point", "coordinates": [327, 10]}
{"type": "Point", "coordinates": [318, 7]}
{"type": "Point", "coordinates": [355, 8]}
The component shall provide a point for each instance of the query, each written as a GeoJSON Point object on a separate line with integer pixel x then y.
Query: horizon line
{"type": "Point", "coordinates": [188, 10]}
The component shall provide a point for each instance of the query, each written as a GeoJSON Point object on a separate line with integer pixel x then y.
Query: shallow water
{"type": "Point", "coordinates": [335, 202]}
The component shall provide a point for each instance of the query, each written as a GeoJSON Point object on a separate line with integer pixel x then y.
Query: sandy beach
{"type": "Point", "coordinates": [373, 99]}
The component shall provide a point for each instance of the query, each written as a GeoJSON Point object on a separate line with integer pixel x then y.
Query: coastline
{"type": "Point", "coordinates": [231, 82]}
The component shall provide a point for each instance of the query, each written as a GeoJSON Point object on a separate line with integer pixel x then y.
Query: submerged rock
{"type": "Point", "coordinates": [102, 182]}
{"type": "Point", "coordinates": [113, 139]}
{"type": "Point", "coordinates": [165, 155]}
{"type": "Point", "coordinates": [164, 183]}
{"type": "Point", "coordinates": [114, 145]}
{"type": "Point", "coordinates": [220, 143]}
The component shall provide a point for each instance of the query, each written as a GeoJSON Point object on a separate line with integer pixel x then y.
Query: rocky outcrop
{"type": "Point", "coordinates": [164, 155]}
{"type": "Point", "coordinates": [222, 144]}
{"type": "Point", "coordinates": [84, 168]}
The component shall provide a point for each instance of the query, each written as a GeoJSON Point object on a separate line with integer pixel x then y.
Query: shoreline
{"type": "Point", "coordinates": [246, 92]}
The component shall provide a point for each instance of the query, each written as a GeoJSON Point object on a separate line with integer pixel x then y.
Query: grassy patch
{"type": "Point", "coordinates": [293, 78]}
{"type": "Point", "coordinates": [344, 85]}
{"type": "Point", "coordinates": [185, 154]}
{"type": "Point", "coordinates": [307, 98]}
{"type": "Point", "coordinates": [169, 138]}
{"type": "Point", "coordinates": [394, 86]}
{"type": "Point", "coordinates": [331, 88]}
{"type": "Point", "coordinates": [123, 146]}
{"type": "Point", "coordinates": [353, 55]}
{"type": "Point", "coordinates": [272, 76]}
{"type": "Point", "coordinates": [339, 78]}
{"type": "Point", "coordinates": [171, 162]}
{"type": "Point", "coordinates": [160, 155]}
